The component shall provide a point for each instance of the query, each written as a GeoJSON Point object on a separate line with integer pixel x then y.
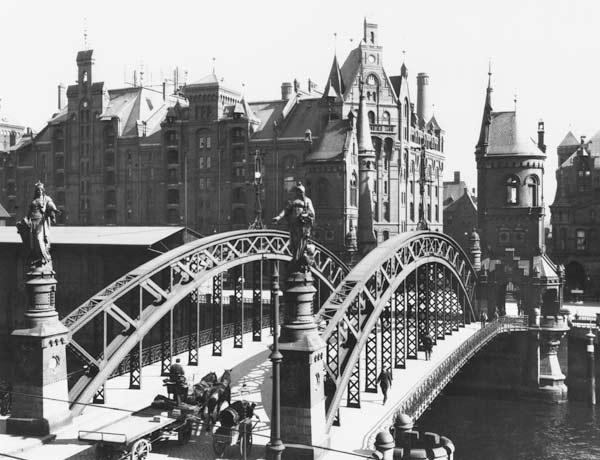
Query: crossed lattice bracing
{"type": "Point", "coordinates": [168, 280]}
{"type": "Point", "coordinates": [415, 284]}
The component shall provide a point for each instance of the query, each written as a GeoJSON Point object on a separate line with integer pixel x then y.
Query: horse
{"type": "Point", "coordinates": [217, 395]}
{"type": "Point", "coordinates": [201, 389]}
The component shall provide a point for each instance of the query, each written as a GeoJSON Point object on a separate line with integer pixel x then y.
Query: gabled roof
{"type": "Point", "coordinates": [335, 140]}
{"type": "Point", "coordinates": [3, 212]}
{"type": "Point", "coordinates": [569, 140]}
{"type": "Point", "coordinates": [302, 115]}
{"type": "Point", "coordinates": [207, 80]}
{"type": "Point", "coordinates": [433, 124]}
{"type": "Point", "coordinates": [506, 137]}
{"type": "Point", "coordinates": [453, 191]}
{"type": "Point", "coordinates": [134, 104]}
{"type": "Point", "coordinates": [464, 199]}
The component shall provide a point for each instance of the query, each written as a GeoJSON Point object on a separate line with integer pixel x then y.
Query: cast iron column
{"type": "Point", "coordinates": [275, 445]}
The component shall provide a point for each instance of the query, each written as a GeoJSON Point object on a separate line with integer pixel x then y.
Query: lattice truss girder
{"type": "Point", "coordinates": [163, 280]}
{"type": "Point", "coordinates": [420, 262]}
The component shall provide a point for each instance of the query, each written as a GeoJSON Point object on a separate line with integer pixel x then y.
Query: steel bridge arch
{"type": "Point", "coordinates": [369, 287]}
{"type": "Point", "coordinates": [191, 265]}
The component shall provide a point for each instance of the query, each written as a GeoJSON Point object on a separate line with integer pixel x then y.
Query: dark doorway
{"type": "Point", "coordinates": [575, 279]}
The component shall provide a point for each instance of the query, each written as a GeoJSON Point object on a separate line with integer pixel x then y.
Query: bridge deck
{"type": "Point", "coordinates": [252, 368]}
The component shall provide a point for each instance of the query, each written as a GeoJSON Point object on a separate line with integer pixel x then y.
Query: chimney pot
{"type": "Point", "coordinates": [62, 96]}
{"type": "Point", "coordinates": [457, 176]}
{"type": "Point", "coordinates": [286, 91]}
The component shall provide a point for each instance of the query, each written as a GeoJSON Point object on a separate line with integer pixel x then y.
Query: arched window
{"type": "Point", "coordinates": [372, 38]}
{"type": "Point", "coordinates": [353, 190]}
{"type": "Point", "coordinates": [532, 183]}
{"type": "Point", "coordinates": [512, 185]}
{"type": "Point", "coordinates": [406, 118]}
{"type": "Point", "coordinates": [84, 79]}
{"type": "Point", "coordinates": [371, 117]}
{"type": "Point", "coordinates": [385, 116]}
{"type": "Point", "coordinates": [372, 80]}
{"type": "Point", "coordinates": [323, 192]}
{"type": "Point", "coordinates": [580, 243]}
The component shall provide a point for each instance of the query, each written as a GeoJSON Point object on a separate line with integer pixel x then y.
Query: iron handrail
{"type": "Point", "coordinates": [424, 391]}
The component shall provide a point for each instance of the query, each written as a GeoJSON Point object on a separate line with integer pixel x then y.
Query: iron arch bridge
{"type": "Point", "coordinates": [162, 283]}
{"type": "Point", "coordinates": [414, 284]}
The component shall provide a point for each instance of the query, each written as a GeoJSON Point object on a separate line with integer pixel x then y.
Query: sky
{"type": "Point", "coordinates": [544, 52]}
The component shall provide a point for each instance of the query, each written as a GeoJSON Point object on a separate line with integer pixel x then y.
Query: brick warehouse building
{"type": "Point", "coordinates": [137, 156]}
{"type": "Point", "coordinates": [575, 214]}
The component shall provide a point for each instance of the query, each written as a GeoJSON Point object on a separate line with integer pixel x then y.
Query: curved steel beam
{"type": "Point", "coordinates": [375, 278]}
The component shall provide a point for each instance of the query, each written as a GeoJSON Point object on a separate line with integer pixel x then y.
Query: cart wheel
{"type": "Point", "coordinates": [184, 434]}
{"type": "Point", "coordinates": [140, 449]}
{"type": "Point", "coordinates": [249, 443]}
{"type": "Point", "coordinates": [242, 443]}
{"type": "Point", "coordinates": [219, 446]}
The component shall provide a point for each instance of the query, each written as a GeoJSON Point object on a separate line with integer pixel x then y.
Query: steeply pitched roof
{"type": "Point", "coordinates": [334, 86]}
{"type": "Point", "coordinates": [453, 191]}
{"type": "Point", "coordinates": [569, 140]}
{"type": "Point", "coordinates": [207, 80]}
{"type": "Point", "coordinates": [131, 105]}
{"type": "Point", "coordinates": [302, 115]}
{"type": "Point", "coordinates": [336, 138]}
{"type": "Point", "coordinates": [350, 69]}
{"type": "Point", "coordinates": [506, 137]}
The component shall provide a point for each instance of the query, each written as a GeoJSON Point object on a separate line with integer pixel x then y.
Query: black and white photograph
{"type": "Point", "coordinates": [312, 230]}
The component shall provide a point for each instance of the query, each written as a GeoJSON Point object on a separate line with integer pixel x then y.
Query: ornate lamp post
{"type": "Point", "coordinates": [258, 223]}
{"type": "Point", "coordinates": [275, 446]}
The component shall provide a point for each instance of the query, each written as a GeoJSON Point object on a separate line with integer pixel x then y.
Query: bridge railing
{"type": "Point", "coordinates": [584, 321]}
{"type": "Point", "coordinates": [427, 388]}
{"type": "Point", "coordinates": [154, 354]}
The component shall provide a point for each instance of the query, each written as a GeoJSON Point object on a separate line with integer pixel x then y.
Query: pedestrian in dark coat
{"type": "Point", "coordinates": [428, 345]}
{"type": "Point", "coordinates": [385, 382]}
{"type": "Point", "coordinates": [483, 317]}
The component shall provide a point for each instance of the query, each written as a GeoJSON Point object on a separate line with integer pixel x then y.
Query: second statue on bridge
{"type": "Point", "coordinates": [300, 215]}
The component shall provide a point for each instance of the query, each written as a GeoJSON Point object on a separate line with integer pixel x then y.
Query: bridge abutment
{"type": "Point", "coordinates": [40, 390]}
{"type": "Point", "coordinates": [302, 374]}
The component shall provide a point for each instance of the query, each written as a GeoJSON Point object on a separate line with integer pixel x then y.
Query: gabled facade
{"type": "Point", "coordinates": [575, 215]}
{"type": "Point", "coordinates": [136, 156]}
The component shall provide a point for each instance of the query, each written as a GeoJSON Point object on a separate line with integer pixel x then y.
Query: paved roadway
{"type": "Point", "coordinates": [251, 380]}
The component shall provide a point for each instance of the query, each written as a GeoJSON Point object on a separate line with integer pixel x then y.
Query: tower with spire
{"type": "Point", "coordinates": [514, 265]}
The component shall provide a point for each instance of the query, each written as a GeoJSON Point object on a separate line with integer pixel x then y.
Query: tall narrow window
{"type": "Point", "coordinates": [512, 183]}
{"type": "Point", "coordinates": [353, 190]}
{"type": "Point", "coordinates": [580, 242]}
{"type": "Point", "coordinates": [323, 192]}
{"type": "Point", "coordinates": [533, 190]}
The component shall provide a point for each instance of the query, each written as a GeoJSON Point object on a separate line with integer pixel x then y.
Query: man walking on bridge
{"type": "Point", "coordinates": [385, 382]}
{"type": "Point", "coordinates": [483, 317]}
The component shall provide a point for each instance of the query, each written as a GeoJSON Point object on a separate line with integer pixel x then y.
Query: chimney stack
{"type": "Point", "coordinates": [286, 91]}
{"type": "Point", "coordinates": [62, 96]}
{"type": "Point", "coordinates": [541, 132]}
{"type": "Point", "coordinates": [456, 177]}
{"type": "Point", "coordinates": [164, 90]}
{"type": "Point", "coordinates": [422, 103]}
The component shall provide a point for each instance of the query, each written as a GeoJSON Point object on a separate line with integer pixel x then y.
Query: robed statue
{"type": "Point", "coordinates": [35, 228]}
{"type": "Point", "coordinates": [300, 216]}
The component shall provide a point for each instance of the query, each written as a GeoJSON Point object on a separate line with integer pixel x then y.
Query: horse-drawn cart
{"type": "Point", "coordinates": [133, 436]}
{"type": "Point", "coordinates": [236, 429]}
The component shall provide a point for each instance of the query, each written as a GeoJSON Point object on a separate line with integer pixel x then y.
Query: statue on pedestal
{"type": "Point", "coordinates": [300, 215]}
{"type": "Point", "coordinates": [35, 228]}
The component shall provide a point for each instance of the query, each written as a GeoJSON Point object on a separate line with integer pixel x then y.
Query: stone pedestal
{"type": "Point", "coordinates": [550, 378]}
{"type": "Point", "coordinates": [302, 373]}
{"type": "Point", "coordinates": [40, 391]}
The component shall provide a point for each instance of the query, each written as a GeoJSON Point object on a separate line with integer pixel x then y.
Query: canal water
{"type": "Point", "coordinates": [484, 428]}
